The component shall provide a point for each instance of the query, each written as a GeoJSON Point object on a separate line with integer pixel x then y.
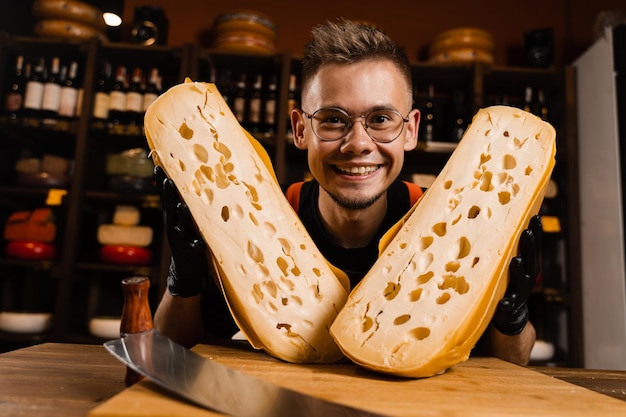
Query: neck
{"type": "Point", "coordinates": [351, 228]}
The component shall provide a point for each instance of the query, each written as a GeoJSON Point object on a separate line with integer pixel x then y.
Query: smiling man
{"type": "Point", "coordinates": [356, 123]}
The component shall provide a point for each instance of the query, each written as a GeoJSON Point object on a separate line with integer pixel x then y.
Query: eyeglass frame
{"type": "Point", "coordinates": [310, 116]}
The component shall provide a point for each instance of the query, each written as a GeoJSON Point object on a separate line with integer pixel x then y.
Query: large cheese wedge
{"type": "Point", "coordinates": [281, 291]}
{"type": "Point", "coordinates": [431, 294]}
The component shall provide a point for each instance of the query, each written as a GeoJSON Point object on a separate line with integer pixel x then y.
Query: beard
{"type": "Point", "coordinates": [354, 203]}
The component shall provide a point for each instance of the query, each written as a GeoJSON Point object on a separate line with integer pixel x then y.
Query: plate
{"type": "Point", "coordinates": [105, 327]}
{"type": "Point", "coordinates": [25, 322]}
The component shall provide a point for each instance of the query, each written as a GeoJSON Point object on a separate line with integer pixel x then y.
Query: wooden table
{"type": "Point", "coordinates": [71, 380]}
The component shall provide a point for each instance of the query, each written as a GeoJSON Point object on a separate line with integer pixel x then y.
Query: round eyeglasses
{"type": "Point", "coordinates": [331, 124]}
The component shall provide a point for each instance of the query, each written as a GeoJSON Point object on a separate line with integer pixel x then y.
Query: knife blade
{"type": "Point", "coordinates": [217, 387]}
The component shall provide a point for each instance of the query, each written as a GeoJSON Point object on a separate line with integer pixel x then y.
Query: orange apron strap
{"type": "Point", "coordinates": [415, 192]}
{"type": "Point", "coordinates": [293, 195]}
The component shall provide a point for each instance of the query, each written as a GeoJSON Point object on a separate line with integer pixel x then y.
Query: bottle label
{"type": "Point", "coordinates": [134, 102]}
{"type": "Point", "coordinates": [51, 97]}
{"type": "Point", "coordinates": [67, 107]}
{"type": "Point", "coordinates": [270, 112]}
{"type": "Point", "coordinates": [101, 106]}
{"type": "Point", "coordinates": [117, 101]}
{"type": "Point", "coordinates": [255, 110]}
{"type": "Point", "coordinates": [239, 109]}
{"type": "Point", "coordinates": [13, 102]}
{"type": "Point", "coordinates": [148, 99]}
{"type": "Point", "coordinates": [34, 95]}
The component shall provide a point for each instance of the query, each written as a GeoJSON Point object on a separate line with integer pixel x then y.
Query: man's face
{"type": "Point", "coordinates": [355, 170]}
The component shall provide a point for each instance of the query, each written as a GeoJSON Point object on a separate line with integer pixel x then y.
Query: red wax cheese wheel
{"type": "Point", "coordinates": [30, 249]}
{"type": "Point", "coordinates": [129, 255]}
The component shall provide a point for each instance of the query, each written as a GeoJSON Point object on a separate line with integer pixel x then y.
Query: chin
{"type": "Point", "coordinates": [355, 203]}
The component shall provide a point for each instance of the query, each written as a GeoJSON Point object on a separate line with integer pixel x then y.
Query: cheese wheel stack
{"type": "Point", "coordinates": [281, 291]}
{"type": "Point", "coordinates": [124, 240]}
{"type": "Point", "coordinates": [462, 45]}
{"type": "Point", "coordinates": [432, 293]}
{"type": "Point", "coordinates": [68, 19]}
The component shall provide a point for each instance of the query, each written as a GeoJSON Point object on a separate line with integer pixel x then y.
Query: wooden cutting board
{"type": "Point", "coordinates": [479, 387]}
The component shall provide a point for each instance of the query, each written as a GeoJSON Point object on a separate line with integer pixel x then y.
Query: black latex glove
{"type": "Point", "coordinates": [511, 314]}
{"type": "Point", "coordinates": [188, 266]}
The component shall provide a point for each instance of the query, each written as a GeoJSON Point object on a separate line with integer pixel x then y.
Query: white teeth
{"type": "Point", "coordinates": [360, 170]}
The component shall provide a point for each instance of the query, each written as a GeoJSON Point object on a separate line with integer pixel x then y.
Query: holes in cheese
{"type": "Point", "coordinates": [281, 292]}
{"type": "Point", "coordinates": [451, 255]}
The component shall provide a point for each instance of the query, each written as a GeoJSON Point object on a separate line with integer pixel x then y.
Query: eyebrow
{"type": "Point", "coordinates": [371, 109]}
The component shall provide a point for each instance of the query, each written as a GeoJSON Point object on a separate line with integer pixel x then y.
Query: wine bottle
{"type": "Point", "coordinates": [152, 89]}
{"type": "Point", "coordinates": [459, 123]}
{"type": "Point", "coordinates": [117, 99]}
{"type": "Point", "coordinates": [69, 93]}
{"type": "Point", "coordinates": [528, 99]}
{"type": "Point", "coordinates": [269, 114]}
{"type": "Point", "coordinates": [134, 99]}
{"type": "Point", "coordinates": [14, 98]}
{"type": "Point", "coordinates": [428, 133]}
{"type": "Point", "coordinates": [292, 103]}
{"type": "Point", "coordinates": [51, 93]}
{"type": "Point", "coordinates": [100, 113]}
{"type": "Point", "coordinates": [239, 99]}
{"type": "Point", "coordinates": [225, 87]}
{"type": "Point", "coordinates": [255, 106]}
{"type": "Point", "coordinates": [542, 105]}
{"type": "Point", "coordinates": [33, 95]}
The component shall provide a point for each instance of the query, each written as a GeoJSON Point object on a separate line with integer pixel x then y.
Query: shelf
{"type": "Point", "coordinates": [89, 201]}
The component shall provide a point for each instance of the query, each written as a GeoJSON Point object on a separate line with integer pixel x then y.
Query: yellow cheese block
{"type": "Point", "coordinates": [281, 291]}
{"type": "Point", "coordinates": [115, 234]}
{"type": "Point", "coordinates": [126, 215]}
{"type": "Point", "coordinates": [431, 294]}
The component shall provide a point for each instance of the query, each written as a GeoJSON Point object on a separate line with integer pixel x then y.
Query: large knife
{"type": "Point", "coordinates": [217, 387]}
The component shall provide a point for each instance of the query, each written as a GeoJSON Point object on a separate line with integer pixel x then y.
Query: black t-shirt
{"type": "Point", "coordinates": [355, 262]}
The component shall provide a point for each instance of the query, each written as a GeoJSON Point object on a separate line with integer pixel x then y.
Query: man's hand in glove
{"type": "Point", "coordinates": [511, 314]}
{"type": "Point", "coordinates": [188, 267]}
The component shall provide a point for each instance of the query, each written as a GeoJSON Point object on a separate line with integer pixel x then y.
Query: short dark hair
{"type": "Point", "coordinates": [345, 41]}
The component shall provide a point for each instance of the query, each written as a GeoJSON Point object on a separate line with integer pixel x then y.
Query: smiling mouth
{"type": "Point", "coordinates": [357, 170]}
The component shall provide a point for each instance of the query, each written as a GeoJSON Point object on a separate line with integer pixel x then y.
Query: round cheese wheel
{"type": "Point", "coordinates": [76, 11]}
{"type": "Point", "coordinates": [244, 42]}
{"type": "Point", "coordinates": [67, 29]}
{"type": "Point", "coordinates": [128, 255]}
{"type": "Point", "coordinates": [245, 31]}
{"type": "Point", "coordinates": [469, 42]}
{"type": "Point", "coordinates": [461, 45]}
{"type": "Point", "coordinates": [42, 179]}
{"type": "Point", "coordinates": [30, 249]}
{"type": "Point", "coordinates": [246, 20]}
{"type": "Point", "coordinates": [462, 55]}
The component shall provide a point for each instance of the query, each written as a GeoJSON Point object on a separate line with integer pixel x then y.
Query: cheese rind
{"type": "Point", "coordinates": [281, 292]}
{"type": "Point", "coordinates": [431, 294]}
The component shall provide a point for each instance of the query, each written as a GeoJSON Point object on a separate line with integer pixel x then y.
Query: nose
{"type": "Point", "coordinates": [357, 140]}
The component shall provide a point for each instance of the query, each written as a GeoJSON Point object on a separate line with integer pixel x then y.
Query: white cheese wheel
{"type": "Point", "coordinates": [281, 291]}
{"type": "Point", "coordinates": [114, 234]}
{"type": "Point", "coordinates": [431, 294]}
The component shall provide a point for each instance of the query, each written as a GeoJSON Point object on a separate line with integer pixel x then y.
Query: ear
{"type": "Point", "coordinates": [412, 129]}
{"type": "Point", "coordinates": [298, 124]}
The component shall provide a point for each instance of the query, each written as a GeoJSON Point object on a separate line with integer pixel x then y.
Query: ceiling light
{"type": "Point", "coordinates": [111, 19]}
